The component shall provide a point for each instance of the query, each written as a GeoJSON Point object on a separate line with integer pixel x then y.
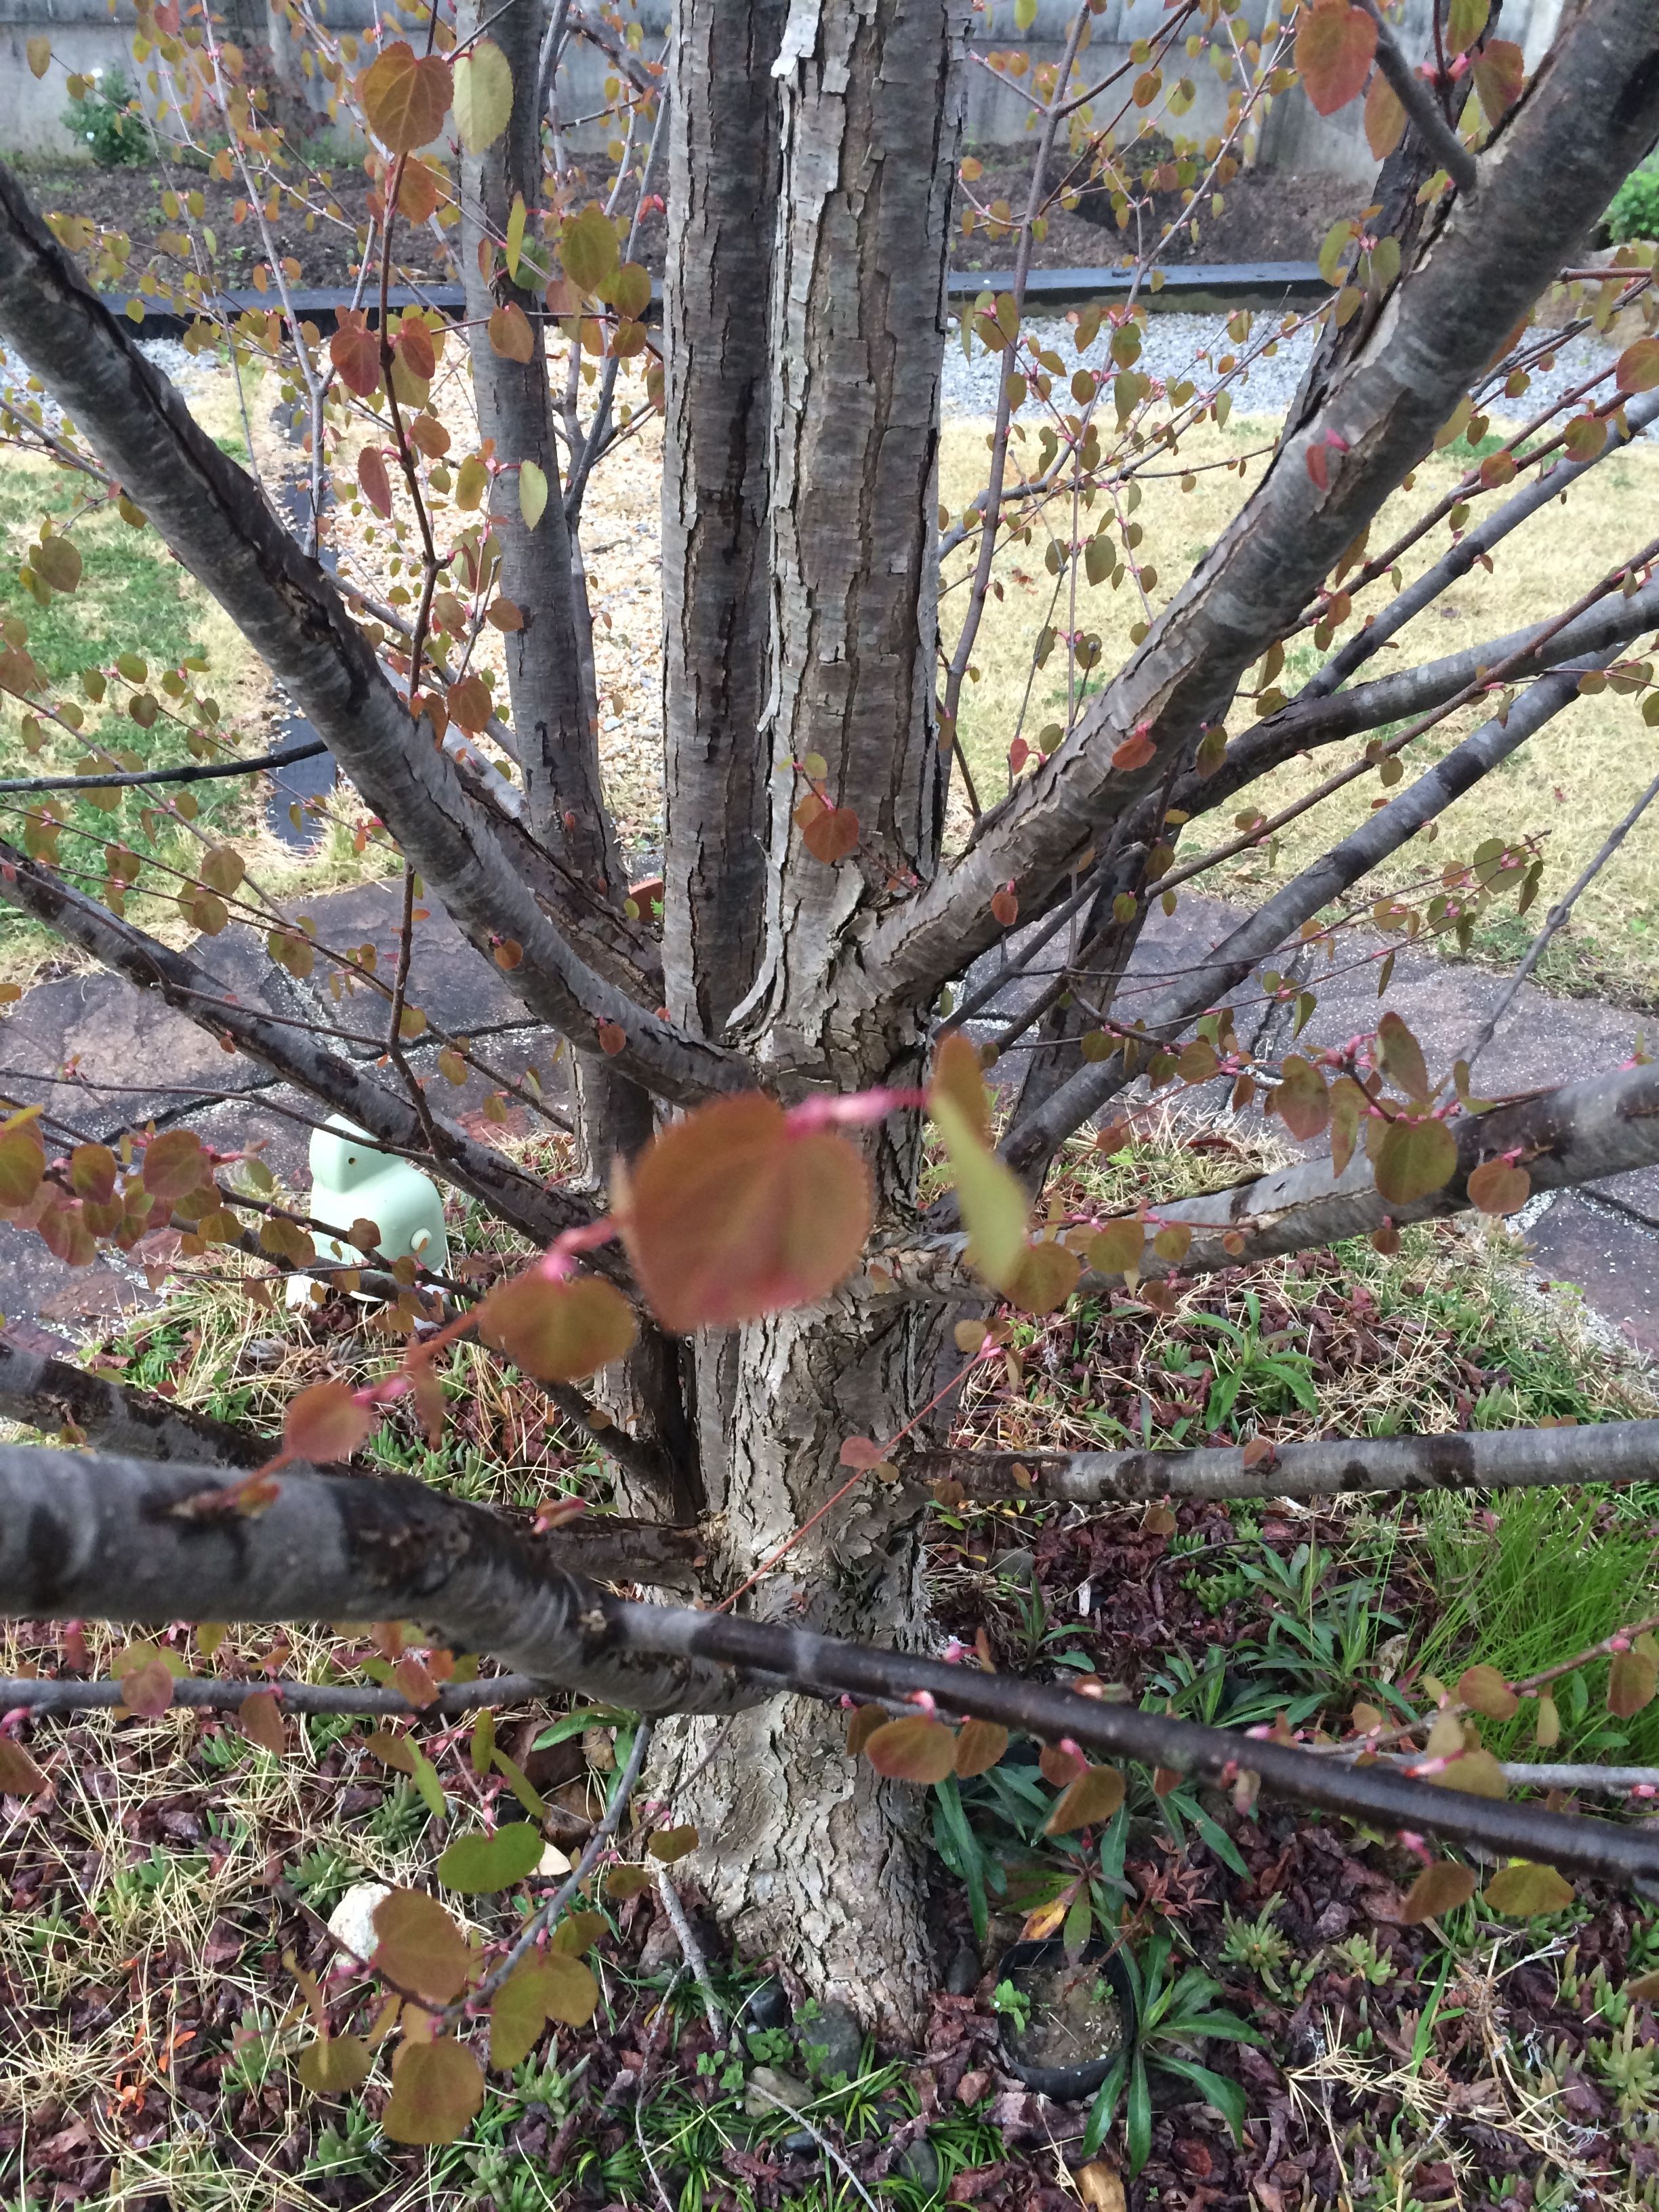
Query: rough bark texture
{"type": "Point", "coordinates": [792, 1830]}
{"type": "Point", "coordinates": [722, 203]}
{"type": "Point", "coordinates": [1329, 1466]}
{"type": "Point", "coordinates": [871, 108]}
{"type": "Point", "coordinates": [50, 1394]}
{"type": "Point", "coordinates": [1441, 325]}
{"type": "Point", "coordinates": [556, 742]}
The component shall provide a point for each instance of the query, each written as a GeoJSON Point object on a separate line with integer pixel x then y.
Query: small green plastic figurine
{"type": "Point", "coordinates": [350, 1180]}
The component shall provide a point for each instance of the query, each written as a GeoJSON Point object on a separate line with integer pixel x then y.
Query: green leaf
{"type": "Point", "coordinates": [1524, 1890]}
{"type": "Point", "coordinates": [992, 1198]}
{"type": "Point", "coordinates": [483, 97]}
{"type": "Point", "coordinates": [1402, 1058]}
{"type": "Point", "coordinates": [588, 249]}
{"type": "Point", "coordinates": [476, 1865]}
{"type": "Point", "coordinates": [334, 2065]}
{"type": "Point", "coordinates": [1225, 2097]}
{"type": "Point", "coordinates": [1414, 1159]}
{"type": "Point", "coordinates": [1138, 2127]}
{"type": "Point", "coordinates": [533, 494]}
{"type": "Point", "coordinates": [1104, 2110]}
{"type": "Point", "coordinates": [424, 1775]}
{"type": "Point", "coordinates": [517, 2016]}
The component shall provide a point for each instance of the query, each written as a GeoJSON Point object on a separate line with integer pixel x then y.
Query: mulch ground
{"type": "Point", "coordinates": [1268, 216]}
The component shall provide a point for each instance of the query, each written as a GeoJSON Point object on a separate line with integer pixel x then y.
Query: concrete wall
{"type": "Point", "coordinates": [85, 35]}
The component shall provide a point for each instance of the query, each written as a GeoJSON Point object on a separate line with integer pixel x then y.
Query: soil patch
{"type": "Point", "coordinates": [1266, 215]}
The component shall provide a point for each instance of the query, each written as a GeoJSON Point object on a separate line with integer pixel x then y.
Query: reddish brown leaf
{"type": "Point", "coordinates": [376, 484]}
{"type": "Point", "coordinates": [1631, 1682]}
{"type": "Point", "coordinates": [863, 1725]}
{"type": "Point", "coordinates": [558, 1332]}
{"type": "Point", "coordinates": [436, 2090]}
{"type": "Point", "coordinates": [1060, 1767]}
{"type": "Point", "coordinates": [1496, 1186]}
{"type": "Point", "coordinates": [1044, 1278]}
{"type": "Point", "coordinates": [1500, 77]}
{"type": "Point", "coordinates": [1385, 119]}
{"type": "Point", "coordinates": [1136, 749]}
{"type": "Point", "coordinates": [147, 1690]}
{"type": "Point", "coordinates": [1004, 906]}
{"type": "Point", "coordinates": [832, 835]}
{"type": "Point", "coordinates": [1094, 1798]}
{"type": "Point", "coordinates": [980, 1746]}
{"type": "Point", "coordinates": [1335, 49]}
{"type": "Point", "coordinates": [261, 1719]}
{"type": "Point", "coordinates": [419, 1947]}
{"type": "Point", "coordinates": [355, 351]}
{"type": "Point", "coordinates": [510, 334]}
{"type": "Point", "coordinates": [174, 1165]}
{"type": "Point", "coordinates": [19, 1775]}
{"type": "Point", "coordinates": [1439, 1889]}
{"type": "Point", "coordinates": [732, 1213]}
{"type": "Point", "coordinates": [613, 1038]}
{"type": "Point", "coordinates": [919, 1750]}
{"type": "Point", "coordinates": [1484, 1691]}
{"type": "Point", "coordinates": [1301, 1101]}
{"type": "Point", "coordinates": [404, 98]}
{"type": "Point", "coordinates": [325, 1423]}
{"type": "Point", "coordinates": [1637, 368]}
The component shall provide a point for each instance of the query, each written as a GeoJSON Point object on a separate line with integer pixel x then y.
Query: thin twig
{"type": "Point", "coordinates": [547, 1913]}
{"type": "Point", "coordinates": [691, 1950]}
{"type": "Point", "coordinates": [1555, 920]}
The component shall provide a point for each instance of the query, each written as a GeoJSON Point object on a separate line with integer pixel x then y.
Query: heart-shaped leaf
{"type": "Point", "coordinates": [732, 1213]}
{"type": "Point", "coordinates": [483, 95]}
{"type": "Point", "coordinates": [334, 2065]}
{"type": "Point", "coordinates": [404, 97]}
{"type": "Point", "coordinates": [671, 1843]}
{"type": "Point", "coordinates": [1439, 1889]}
{"type": "Point", "coordinates": [1524, 1890]}
{"type": "Point", "coordinates": [1414, 1159]}
{"type": "Point", "coordinates": [1335, 49]}
{"type": "Point", "coordinates": [419, 1947]}
{"type": "Point", "coordinates": [558, 1331]}
{"type": "Point", "coordinates": [1094, 1798]}
{"type": "Point", "coordinates": [980, 1746]}
{"type": "Point", "coordinates": [436, 2090]}
{"type": "Point", "coordinates": [477, 1865]}
{"type": "Point", "coordinates": [325, 1423]}
{"type": "Point", "coordinates": [919, 1750]}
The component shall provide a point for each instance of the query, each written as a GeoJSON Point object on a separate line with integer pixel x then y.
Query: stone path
{"type": "Point", "coordinates": [105, 1055]}
{"type": "Point", "coordinates": [1605, 1238]}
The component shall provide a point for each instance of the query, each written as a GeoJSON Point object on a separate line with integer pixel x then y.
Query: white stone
{"type": "Point", "coordinates": [352, 1920]}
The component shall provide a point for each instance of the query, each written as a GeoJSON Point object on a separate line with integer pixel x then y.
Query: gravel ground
{"type": "Point", "coordinates": [1173, 343]}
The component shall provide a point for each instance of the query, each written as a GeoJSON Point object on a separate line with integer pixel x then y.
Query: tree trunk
{"type": "Point", "coordinates": [722, 199]}
{"type": "Point", "coordinates": [806, 1856]}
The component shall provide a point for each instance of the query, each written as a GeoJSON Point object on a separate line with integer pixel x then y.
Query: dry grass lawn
{"type": "Point", "coordinates": [1568, 786]}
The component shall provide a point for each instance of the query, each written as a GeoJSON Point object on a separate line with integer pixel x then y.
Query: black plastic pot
{"type": "Point", "coordinates": [1067, 2084]}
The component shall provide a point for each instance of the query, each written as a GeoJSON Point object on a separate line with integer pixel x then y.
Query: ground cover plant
{"type": "Point", "coordinates": [785, 1224]}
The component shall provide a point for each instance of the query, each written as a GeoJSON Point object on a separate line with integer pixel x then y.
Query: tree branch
{"type": "Point", "coordinates": [291, 612]}
{"type": "Point", "coordinates": [1550, 483]}
{"type": "Point", "coordinates": [1328, 1466]}
{"type": "Point", "coordinates": [187, 772]}
{"type": "Point", "coordinates": [1580, 1133]}
{"type": "Point", "coordinates": [1032, 1143]}
{"type": "Point", "coordinates": [85, 1535]}
{"type": "Point", "coordinates": [46, 1393]}
{"type": "Point", "coordinates": [1419, 103]}
{"type": "Point", "coordinates": [538, 1209]}
{"type": "Point", "coordinates": [1446, 319]}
